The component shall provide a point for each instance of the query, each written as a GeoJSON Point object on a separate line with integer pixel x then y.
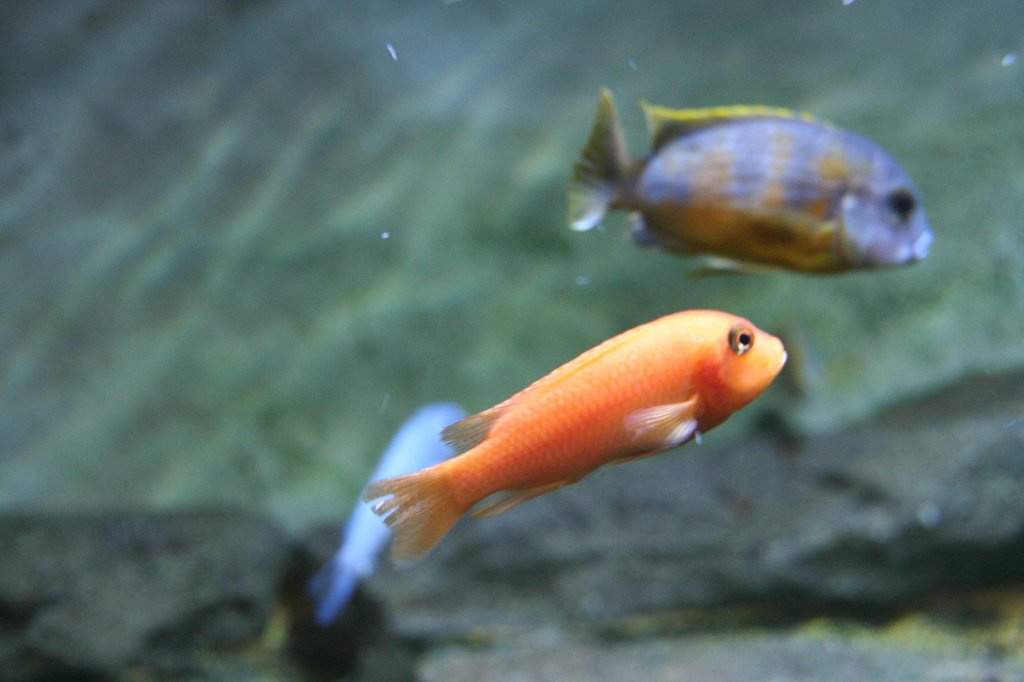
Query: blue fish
{"type": "Point", "coordinates": [417, 444]}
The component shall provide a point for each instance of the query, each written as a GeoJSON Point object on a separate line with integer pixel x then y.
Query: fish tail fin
{"type": "Point", "coordinates": [597, 176]}
{"type": "Point", "coordinates": [420, 509]}
{"type": "Point", "coordinates": [332, 588]}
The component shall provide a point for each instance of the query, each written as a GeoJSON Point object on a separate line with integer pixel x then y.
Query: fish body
{"type": "Point", "coordinates": [415, 445]}
{"type": "Point", "coordinates": [753, 185]}
{"type": "Point", "coordinates": [647, 390]}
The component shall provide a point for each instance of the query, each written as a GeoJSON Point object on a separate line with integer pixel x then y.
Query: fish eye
{"type": "Point", "coordinates": [901, 202]}
{"type": "Point", "coordinates": [741, 339]}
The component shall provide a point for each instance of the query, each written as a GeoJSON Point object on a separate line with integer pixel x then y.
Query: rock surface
{"type": "Point", "coordinates": [95, 596]}
{"type": "Point", "coordinates": [892, 546]}
{"type": "Point", "coordinates": [796, 657]}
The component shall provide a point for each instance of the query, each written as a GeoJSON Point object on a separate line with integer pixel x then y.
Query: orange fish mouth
{"type": "Point", "coordinates": [776, 360]}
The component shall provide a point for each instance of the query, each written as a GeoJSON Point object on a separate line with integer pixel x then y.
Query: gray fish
{"type": "Point", "coordinates": [752, 186]}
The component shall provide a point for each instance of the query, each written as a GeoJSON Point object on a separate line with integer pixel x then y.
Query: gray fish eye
{"type": "Point", "coordinates": [741, 339]}
{"type": "Point", "coordinates": [901, 202]}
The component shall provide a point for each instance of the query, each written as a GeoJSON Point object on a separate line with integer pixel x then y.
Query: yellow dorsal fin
{"type": "Point", "coordinates": [666, 124]}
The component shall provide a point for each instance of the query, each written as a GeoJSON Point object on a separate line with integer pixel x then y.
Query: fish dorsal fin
{"type": "Point", "coordinates": [665, 125]}
{"type": "Point", "coordinates": [466, 434]}
{"type": "Point", "coordinates": [581, 362]}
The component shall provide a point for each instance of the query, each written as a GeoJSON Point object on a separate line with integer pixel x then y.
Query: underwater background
{"type": "Point", "coordinates": [241, 241]}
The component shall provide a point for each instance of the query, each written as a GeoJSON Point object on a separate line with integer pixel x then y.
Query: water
{"type": "Point", "coordinates": [242, 241]}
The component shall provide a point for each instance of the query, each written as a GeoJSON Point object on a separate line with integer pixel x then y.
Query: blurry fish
{"type": "Point", "coordinates": [752, 185]}
{"type": "Point", "coordinates": [647, 390]}
{"type": "Point", "coordinates": [415, 445]}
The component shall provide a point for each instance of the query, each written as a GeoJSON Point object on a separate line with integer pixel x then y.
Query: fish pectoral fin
{"type": "Point", "coordinates": [663, 427]}
{"type": "Point", "coordinates": [503, 501]}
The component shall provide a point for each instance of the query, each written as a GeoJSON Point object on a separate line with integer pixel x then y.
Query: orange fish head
{"type": "Point", "coordinates": [746, 361]}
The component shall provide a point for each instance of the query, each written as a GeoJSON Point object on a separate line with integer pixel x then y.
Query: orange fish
{"type": "Point", "coordinates": [647, 390]}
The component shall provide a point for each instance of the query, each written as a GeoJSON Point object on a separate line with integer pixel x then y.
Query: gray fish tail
{"type": "Point", "coordinates": [597, 176]}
